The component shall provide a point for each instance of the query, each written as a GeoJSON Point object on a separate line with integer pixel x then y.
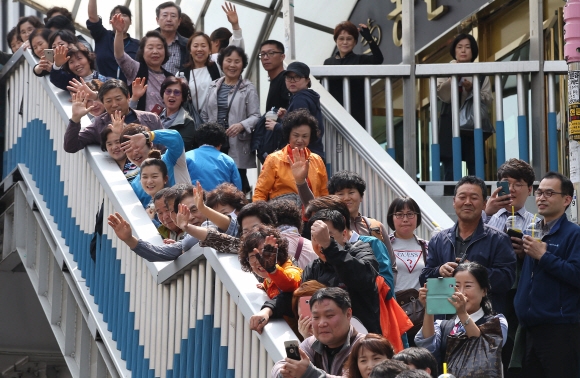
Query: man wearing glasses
{"type": "Point", "coordinates": [472, 240]}
{"type": "Point", "coordinates": [272, 58]}
{"type": "Point", "coordinates": [548, 296]}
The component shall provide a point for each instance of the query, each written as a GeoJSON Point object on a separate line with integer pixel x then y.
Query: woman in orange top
{"type": "Point", "coordinates": [276, 179]}
{"type": "Point", "coordinates": [265, 252]}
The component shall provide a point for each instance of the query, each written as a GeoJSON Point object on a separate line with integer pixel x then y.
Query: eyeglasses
{"type": "Point", "coordinates": [547, 193]}
{"type": "Point", "coordinates": [516, 185]}
{"type": "Point", "coordinates": [294, 79]}
{"type": "Point", "coordinates": [174, 92]}
{"type": "Point", "coordinates": [269, 54]}
{"type": "Point", "coordinates": [266, 255]}
{"type": "Point", "coordinates": [403, 215]}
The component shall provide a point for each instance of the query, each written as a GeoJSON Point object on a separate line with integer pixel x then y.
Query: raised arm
{"type": "Point", "coordinates": [118, 24]}
{"type": "Point", "coordinates": [93, 14]}
{"type": "Point", "coordinates": [222, 221]}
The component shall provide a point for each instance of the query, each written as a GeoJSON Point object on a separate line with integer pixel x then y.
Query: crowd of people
{"type": "Point", "coordinates": [174, 113]}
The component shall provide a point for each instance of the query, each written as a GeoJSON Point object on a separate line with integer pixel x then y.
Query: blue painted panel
{"type": "Point", "coordinates": [34, 148]}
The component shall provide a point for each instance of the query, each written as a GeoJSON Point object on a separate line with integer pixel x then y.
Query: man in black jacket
{"type": "Point", "coordinates": [352, 267]}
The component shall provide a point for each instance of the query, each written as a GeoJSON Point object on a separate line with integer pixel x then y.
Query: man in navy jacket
{"type": "Point", "coordinates": [472, 240]}
{"type": "Point", "coordinates": [548, 298]}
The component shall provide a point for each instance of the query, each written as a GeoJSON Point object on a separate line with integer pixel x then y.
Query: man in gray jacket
{"type": "Point", "coordinates": [114, 95]}
{"type": "Point", "coordinates": [324, 353]}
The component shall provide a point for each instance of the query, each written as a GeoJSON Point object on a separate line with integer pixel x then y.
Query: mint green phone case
{"type": "Point", "coordinates": [438, 290]}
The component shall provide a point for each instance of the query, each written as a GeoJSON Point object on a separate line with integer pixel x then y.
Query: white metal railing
{"type": "Point", "coordinates": [496, 69]}
{"type": "Point", "coordinates": [147, 329]}
{"type": "Point", "coordinates": [347, 148]}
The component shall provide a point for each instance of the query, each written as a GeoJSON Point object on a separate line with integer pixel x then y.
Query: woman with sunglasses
{"type": "Point", "coordinates": [404, 216]}
{"type": "Point", "coordinates": [265, 253]}
{"type": "Point", "coordinates": [175, 94]}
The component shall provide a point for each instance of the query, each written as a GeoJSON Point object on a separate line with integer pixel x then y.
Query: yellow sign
{"type": "Point", "coordinates": [574, 122]}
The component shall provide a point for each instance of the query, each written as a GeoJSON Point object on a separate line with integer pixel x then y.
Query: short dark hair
{"type": "Point", "coordinates": [479, 272]}
{"type": "Point", "coordinates": [222, 35]}
{"type": "Point", "coordinates": [122, 10]}
{"type": "Point", "coordinates": [567, 188]}
{"type": "Point", "coordinates": [80, 49]}
{"type": "Point", "coordinates": [371, 342]}
{"type": "Point", "coordinates": [413, 373]}
{"type": "Point", "coordinates": [337, 219]}
{"type": "Point", "coordinates": [257, 237]}
{"type": "Point", "coordinates": [279, 45]}
{"type": "Point", "coordinates": [39, 32]}
{"type": "Point", "coordinates": [346, 180]}
{"type": "Point", "coordinates": [297, 118]}
{"type": "Point", "coordinates": [473, 180]}
{"type": "Point", "coordinates": [226, 194]}
{"type": "Point", "coordinates": [185, 92]}
{"type": "Point", "coordinates": [211, 133]}
{"type": "Point", "coordinates": [155, 162]}
{"type": "Point", "coordinates": [287, 213]}
{"type": "Point", "coordinates": [167, 4]}
{"type": "Point", "coordinates": [400, 204]}
{"type": "Point", "coordinates": [348, 27]}
{"type": "Point", "coordinates": [186, 27]}
{"type": "Point", "coordinates": [229, 51]}
{"type": "Point", "coordinates": [63, 11]}
{"type": "Point", "coordinates": [388, 369]}
{"type": "Point", "coordinates": [60, 22]}
{"type": "Point", "coordinates": [11, 34]}
{"type": "Point", "coordinates": [328, 202]}
{"type": "Point", "coordinates": [336, 294]}
{"type": "Point", "coordinates": [169, 194]}
{"type": "Point", "coordinates": [260, 209]}
{"type": "Point", "coordinates": [65, 35]}
{"type": "Point", "coordinates": [111, 84]}
{"type": "Point", "coordinates": [421, 358]}
{"type": "Point", "coordinates": [518, 170]}
{"type": "Point", "coordinates": [143, 42]}
{"type": "Point", "coordinates": [104, 135]}
{"type": "Point", "coordinates": [161, 194]}
{"type": "Point", "coordinates": [472, 42]}
{"type": "Point", "coordinates": [190, 63]}
{"type": "Point", "coordinates": [184, 190]}
{"type": "Point", "coordinates": [33, 20]}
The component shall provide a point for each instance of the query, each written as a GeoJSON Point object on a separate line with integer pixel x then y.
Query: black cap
{"type": "Point", "coordinates": [298, 68]}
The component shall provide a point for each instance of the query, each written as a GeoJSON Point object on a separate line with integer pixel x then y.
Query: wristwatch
{"type": "Point", "coordinates": [467, 321]}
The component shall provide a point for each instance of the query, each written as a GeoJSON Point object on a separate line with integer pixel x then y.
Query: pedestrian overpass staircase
{"type": "Point", "coordinates": [112, 313]}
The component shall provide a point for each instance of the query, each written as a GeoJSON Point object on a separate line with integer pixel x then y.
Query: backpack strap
{"type": "Point", "coordinates": [374, 227]}
{"type": "Point", "coordinates": [299, 248]}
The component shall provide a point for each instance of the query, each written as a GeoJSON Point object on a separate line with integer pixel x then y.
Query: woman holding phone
{"type": "Point", "coordinates": [473, 307]}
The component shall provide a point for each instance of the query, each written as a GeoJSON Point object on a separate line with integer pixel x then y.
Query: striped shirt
{"type": "Point", "coordinates": [499, 219]}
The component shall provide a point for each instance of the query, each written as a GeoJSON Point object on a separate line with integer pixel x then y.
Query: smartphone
{"type": "Point", "coordinates": [515, 233]}
{"type": "Point", "coordinates": [438, 291]}
{"type": "Point", "coordinates": [505, 188]}
{"type": "Point", "coordinates": [157, 109]}
{"type": "Point", "coordinates": [49, 55]}
{"type": "Point", "coordinates": [292, 349]}
{"type": "Point", "coordinates": [304, 305]}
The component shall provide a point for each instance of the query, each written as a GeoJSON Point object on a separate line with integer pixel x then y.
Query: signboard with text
{"type": "Point", "coordinates": [432, 19]}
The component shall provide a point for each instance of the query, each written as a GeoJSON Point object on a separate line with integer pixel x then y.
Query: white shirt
{"type": "Point", "coordinates": [199, 82]}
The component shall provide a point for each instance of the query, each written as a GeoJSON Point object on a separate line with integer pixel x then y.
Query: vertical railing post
{"type": "Point", "coordinates": [456, 139]}
{"type": "Point", "coordinates": [477, 129]}
{"type": "Point", "coordinates": [368, 106]}
{"type": "Point", "coordinates": [499, 123]}
{"type": "Point", "coordinates": [346, 93]}
{"type": "Point", "coordinates": [552, 125]}
{"type": "Point", "coordinates": [523, 144]}
{"type": "Point", "coordinates": [389, 115]}
{"type": "Point", "coordinates": [435, 151]}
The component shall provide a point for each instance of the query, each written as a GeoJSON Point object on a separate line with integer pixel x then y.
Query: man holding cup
{"type": "Point", "coordinates": [548, 296]}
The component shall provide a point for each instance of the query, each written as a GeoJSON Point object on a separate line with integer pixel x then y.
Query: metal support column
{"type": "Point", "coordinates": [499, 123]}
{"type": "Point", "coordinates": [289, 36]}
{"type": "Point", "coordinates": [409, 94]}
{"type": "Point", "coordinates": [435, 149]}
{"type": "Point", "coordinates": [539, 135]}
